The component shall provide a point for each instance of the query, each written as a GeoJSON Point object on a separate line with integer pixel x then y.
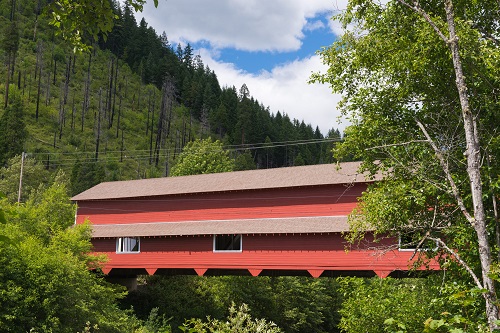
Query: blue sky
{"type": "Point", "coordinates": [256, 61]}
{"type": "Point", "coordinates": [270, 45]}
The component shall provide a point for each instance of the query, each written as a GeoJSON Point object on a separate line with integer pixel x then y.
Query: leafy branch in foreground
{"type": "Point", "coordinates": [77, 20]}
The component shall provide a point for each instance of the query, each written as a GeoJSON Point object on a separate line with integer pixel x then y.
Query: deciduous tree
{"type": "Point", "coordinates": [76, 19]}
{"type": "Point", "coordinates": [203, 156]}
{"type": "Point", "coordinates": [419, 81]}
{"type": "Point", "coordinates": [45, 283]}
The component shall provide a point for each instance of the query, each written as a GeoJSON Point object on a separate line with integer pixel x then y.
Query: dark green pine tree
{"type": "Point", "coordinates": [12, 130]}
{"type": "Point", "coordinates": [85, 174]}
{"type": "Point", "coordinates": [244, 112]}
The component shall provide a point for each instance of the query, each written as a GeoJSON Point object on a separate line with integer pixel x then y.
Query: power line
{"type": "Point", "coordinates": [233, 148]}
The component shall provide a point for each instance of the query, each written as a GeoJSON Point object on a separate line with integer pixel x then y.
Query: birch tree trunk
{"type": "Point", "coordinates": [473, 154]}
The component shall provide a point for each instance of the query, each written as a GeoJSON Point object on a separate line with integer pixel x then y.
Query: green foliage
{"type": "Point", "coordinates": [202, 156]}
{"type": "Point", "coordinates": [47, 212]}
{"type": "Point", "coordinates": [386, 305]}
{"type": "Point", "coordinates": [34, 174]}
{"type": "Point", "coordinates": [155, 324]}
{"type": "Point", "coordinates": [178, 297]}
{"type": "Point", "coordinates": [306, 305]}
{"type": "Point", "coordinates": [3, 238]}
{"type": "Point", "coordinates": [60, 111]}
{"type": "Point", "coordinates": [399, 87]}
{"type": "Point", "coordinates": [74, 20]}
{"type": "Point", "coordinates": [295, 304]}
{"type": "Point", "coordinates": [10, 40]}
{"type": "Point", "coordinates": [463, 310]}
{"type": "Point", "coordinates": [86, 174]}
{"type": "Point", "coordinates": [45, 281]}
{"type": "Point", "coordinates": [239, 320]}
{"type": "Point", "coordinates": [244, 161]}
{"type": "Point", "coordinates": [12, 129]}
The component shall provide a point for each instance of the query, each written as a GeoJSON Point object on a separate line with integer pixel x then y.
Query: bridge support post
{"type": "Point", "coordinates": [315, 273]}
{"type": "Point", "coordinates": [255, 272]}
{"type": "Point", "coordinates": [382, 274]}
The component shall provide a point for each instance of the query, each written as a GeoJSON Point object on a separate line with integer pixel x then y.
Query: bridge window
{"type": "Point", "coordinates": [128, 245]}
{"type": "Point", "coordinates": [224, 243]}
{"type": "Point", "coordinates": [409, 242]}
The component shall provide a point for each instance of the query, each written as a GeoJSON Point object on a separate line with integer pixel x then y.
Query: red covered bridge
{"type": "Point", "coordinates": [286, 221]}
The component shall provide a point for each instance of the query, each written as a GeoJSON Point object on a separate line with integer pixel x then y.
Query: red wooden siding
{"type": "Point", "coordinates": [320, 201]}
{"type": "Point", "coordinates": [314, 253]}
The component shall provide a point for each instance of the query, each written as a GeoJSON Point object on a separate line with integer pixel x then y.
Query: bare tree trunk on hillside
{"type": "Point", "coordinates": [67, 78]}
{"type": "Point", "coordinates": [149, 113]}
{"type": "Point", "coordinates": [47, 89]}
{"type": "Point", "coordinates": [74, 62]}
{"type": "Point", "coordinates": [108, 91]}
{"type": "Point", "coordinates": [114, 95]}
{"type": "Point", "coordinates": [13, 53]}
{"type": "Point", "coordinates": [61, 112]}
{"type": "Point", "coordinates": [29, 86]}
{"type": "Point", "coordinates": [55, 71]}
{"type": "Point", "coordinates": [7, 83]}
{"type": "Point", "coordinates": [204, 122]}
{"type": "Point", "coordinates": [168, 95]}
{"type": "Point", "coordinates": [139, 94]}
{"type": "Point", "coordinates": [86, 93]}
{"type": "Point", "coordinates": [37, 13]}
{"type": "Point", "coordinates": [121, 148]}
{"type": "Point", "coordinates": [38, 92]}
{"type": "Point", "coordinates": [119, 112]}
{"type": "Point", "coordinates": [98, 129]}
{"type": "Point", "coordinates": [152, 127]}
{"type": "Point", "coordinates": [39, 55]}
{"type": "Point", "coordinates": [73, 111]}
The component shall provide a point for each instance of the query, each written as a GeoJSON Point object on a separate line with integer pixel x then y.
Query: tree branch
{"type": "Point", "coordinates": [460, 260]}
{"type": "Point", "coordinates": [396, 144]}
{"type": "Point", "coordinates": [416, 7]}
{"type": "Point", "coordinates": [444, 166]}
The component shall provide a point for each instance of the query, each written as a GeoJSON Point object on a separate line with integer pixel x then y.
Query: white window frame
{"type": "Point", "coordinates": [227, 251]}
{"type": "Point", "coordinates": [122, 247]}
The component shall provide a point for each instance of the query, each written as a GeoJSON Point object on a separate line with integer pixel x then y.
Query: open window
{"type": "Point", "coordinates": [128, 245]}
{"type": "Point", "coordinates": [409, 242]}
{"type": "Point", "coordinates": [227, 243]}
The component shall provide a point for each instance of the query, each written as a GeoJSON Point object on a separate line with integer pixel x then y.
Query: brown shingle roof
{"type": "Point", "coordinates": [321, 174]}
{"type": "Point", "coordinates": [295, 225]}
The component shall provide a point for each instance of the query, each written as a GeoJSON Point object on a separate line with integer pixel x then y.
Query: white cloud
{"type": "Point", "coordinates": [285, 89]}
{"type": "Point", "coordinates": [250, 25]}
{"type": "Point", "coordinates": [311, 26]}
{"type": "Point", "coordinates": [257, 25]}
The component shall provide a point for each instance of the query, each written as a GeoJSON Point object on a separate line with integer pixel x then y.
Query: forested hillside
{"type": "Point", "coordinates": [127, 108]}
{"type": "Point", "coordinates": [135, 106]}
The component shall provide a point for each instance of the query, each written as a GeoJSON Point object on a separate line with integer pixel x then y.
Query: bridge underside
{"type": "Point", "coordinates": [315, 273]}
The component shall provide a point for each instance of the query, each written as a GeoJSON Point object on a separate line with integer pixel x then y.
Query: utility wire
{"type": "Point", "coordinates": [240, 147]}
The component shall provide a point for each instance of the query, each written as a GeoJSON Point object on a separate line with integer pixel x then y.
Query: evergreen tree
{"type": "Point", "coordinates": [12, 130]}
{"type": "Point", "coordinates": [85, 174]}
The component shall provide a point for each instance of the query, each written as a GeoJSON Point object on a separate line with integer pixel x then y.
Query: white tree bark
{"type": "Point", "coordinates": [477, 217]}
{"type": "Point", "coordinates": [473, 155]}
